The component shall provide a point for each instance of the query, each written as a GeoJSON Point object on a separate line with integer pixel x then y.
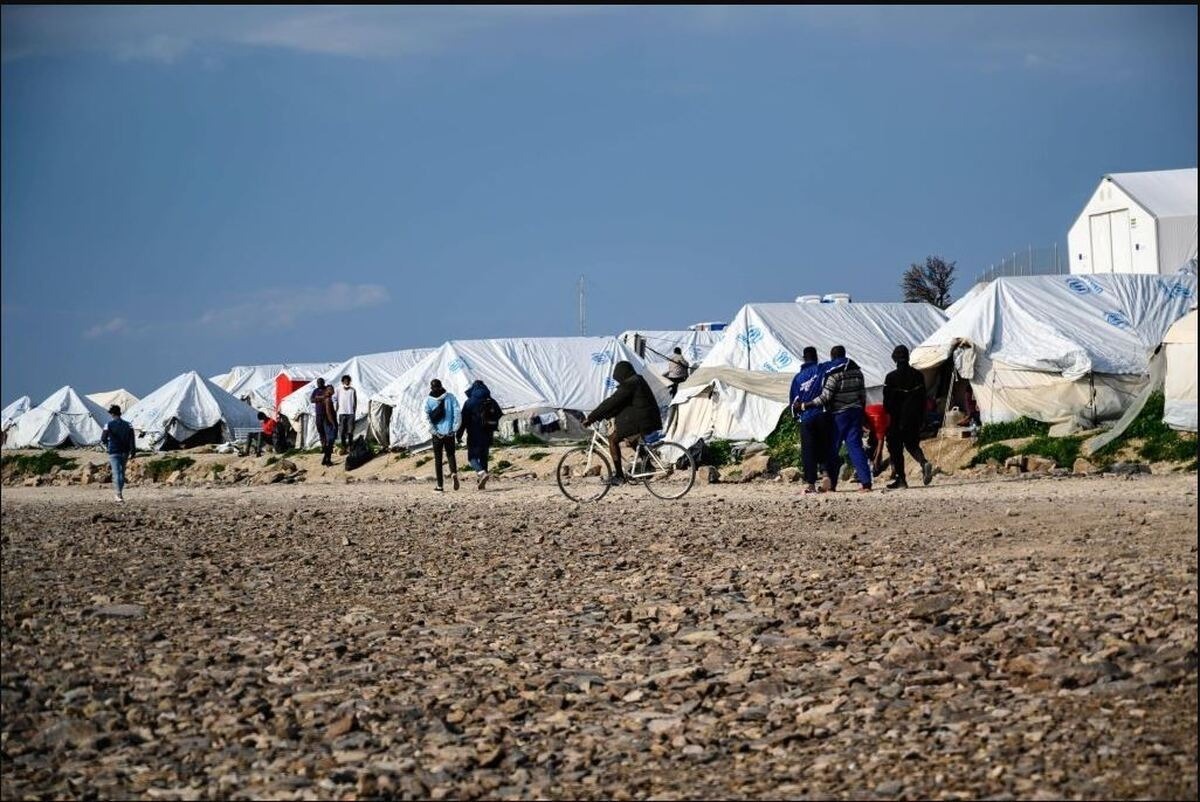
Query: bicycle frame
{"type": "Point", "coordinates": [639, 451]}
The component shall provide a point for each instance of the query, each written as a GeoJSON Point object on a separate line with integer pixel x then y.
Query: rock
{"type": "Point", "coordinates": [931, 606]}
{"type": "Point", "coordinates": [121, 611]}
{"type": "Point", "coordinates": [757, 466]}
{"type": "Point", "coordinates": [174, 478]}
{"type": "Point", "coordinates": [708, 475]}
{"type": "Point", "coordinates": [1128, 468]}
{"type": "Point", "coordinates": [790, 474]}
{"type": "Point", "coordinates": [1037, 464]}
{"type": "Point", "coordinates": [1083, 467]}
{"type": "Point", "coordinates": [344, 725]}
{"type": "Point", "coordinates": [1017, 461]}
{"type": "Point", "coordinates": [750, 449]}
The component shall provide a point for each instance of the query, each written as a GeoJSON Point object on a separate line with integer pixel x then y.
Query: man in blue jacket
{"type": "Point", "coordinates": [118, 439]}
{"type": "Point", "coordinates": [816, 434]}
{"type": "Point", "coordinates": [845, 396]}
{"type": "Point", "coordinates": [444, 416]}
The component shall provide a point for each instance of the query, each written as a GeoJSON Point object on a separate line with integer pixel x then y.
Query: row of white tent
{"type": "Point", "coordinates": [1073, 351]}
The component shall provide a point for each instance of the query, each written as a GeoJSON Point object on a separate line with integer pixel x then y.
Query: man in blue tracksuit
{"type": "Point", "coordinates": [816, 429]}
{"type": "Point", "coordinates": [845, 396]}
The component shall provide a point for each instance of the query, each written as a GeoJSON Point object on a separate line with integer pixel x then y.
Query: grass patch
{"type": "Point", "coordinates": [220, 467]}
{"type": "Point", "coordinates": [525, 440]}
{"type": "Point", "coordinates": [720, 453]}
{"type": "Point", "coordinates": [159, 469]}
{"type": "Point", "coordinates": [270, 461]}
{"type": "Point", "coordinates": [1160, 443]}
{"type": "Point", "coordinates": [1063, 450]}
{"type": "Point", "coordinates": [783, 444]}
{"type": "Point", "coordinates": [1021, 427]}
{"type": "Point", "coordinates": [38, 464]}
{"type": "Point", "coordinates": [996, 451]}
{"type": "Point", "coordinates": [537, 455]}
{"type": "Point", "coordinates": [502, 465]}
{"type": "Point", "coordinates": [421, 461]}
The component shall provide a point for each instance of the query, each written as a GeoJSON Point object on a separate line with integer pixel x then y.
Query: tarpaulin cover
{"type": "Point", "coordinates": [15, 410]}
{"type": "Point", "coordinates": [184, 406]}
{"type": "Point", "coordinates": [65, 417]}
{"type": "Point", "coordinates": [1179, 411]}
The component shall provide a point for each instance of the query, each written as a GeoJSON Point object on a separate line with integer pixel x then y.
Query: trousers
{"type": "Point", "coordinates": [848, 423]}
{"type": "Point", "coordinates": [443, 443]}
{"type": "Point", "coordinates": [899, 439]}
{"type": "Point", "coordinates": [818, 448]}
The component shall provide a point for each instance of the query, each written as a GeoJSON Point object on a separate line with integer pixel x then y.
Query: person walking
{"type": "Point", "coordinates": [480, 414]}
{"type": "Point", "coordinates": [346, 401]}
{"type": "Point", "coordinates": [904, 399]}
{"type": "Point", "coordinates": [118, 439]}
{"type": "Point", "coordinates": [444, 416]}
{"type": "Point", "coordinates": [817, 446]}
{"type": "Point", "coordinates": [677, 372]}
{"type": "Point", "coordinates": [844, 395]}
{"type": "Point", "coordinates": [325, 419]}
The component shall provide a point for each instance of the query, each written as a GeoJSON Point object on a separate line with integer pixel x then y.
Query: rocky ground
{"type": "Point", "coordinates": [1013, 638]}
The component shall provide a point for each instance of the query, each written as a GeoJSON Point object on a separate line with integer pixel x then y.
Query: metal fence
{"type": "Point", "coordinates": [1028, 261]}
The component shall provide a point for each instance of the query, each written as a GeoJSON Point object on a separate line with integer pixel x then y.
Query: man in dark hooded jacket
{"type": "Point", "coordinates": [904, 400]}
{"type": "Point", "coordinates": [479, 433]}
{"type": "Point", "coordinates": [636, 411]}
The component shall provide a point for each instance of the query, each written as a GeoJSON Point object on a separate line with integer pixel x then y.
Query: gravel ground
{"type": "Point", "coordinates": [1020, 639]}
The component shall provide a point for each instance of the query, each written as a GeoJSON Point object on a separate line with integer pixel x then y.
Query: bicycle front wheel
{"type": "Point", "coordinates": [674, 470]}
{"type": "Point", "coordinates": [584, 474]}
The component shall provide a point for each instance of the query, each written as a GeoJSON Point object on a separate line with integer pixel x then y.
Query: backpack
{"type": "Point", "coordinates": [438, 413]}
{"type": "Point", "coordinates": [359, 454]}
{"type": "Point", "coordinates": [490, 413]}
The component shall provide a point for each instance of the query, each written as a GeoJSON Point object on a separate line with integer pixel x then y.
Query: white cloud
{"type": "Point", "coordinates": [118, 325]}
{"type": "Point", "coordinates": [283, 308]}
{"type": "Point", "coordinates": [159, 48]}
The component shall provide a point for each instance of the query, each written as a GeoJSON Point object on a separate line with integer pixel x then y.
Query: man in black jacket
{"type": "Point", "coordinates": [904, 400]}
{"type": "Point", "coordinates": [636, 412]}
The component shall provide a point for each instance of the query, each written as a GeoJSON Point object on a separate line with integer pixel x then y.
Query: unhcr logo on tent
{"type": "Point", "coordinates": [1083, 285]}
{"type": "Point", "coordinates": [1175, 289]}
{"type": "Point", "coordinates": [610, 383]}
{"type": "Point", "coordinates": [1118, 319]}
{"type": "Point", "coordinates": [753, 336]}
{"type": "Point", "coordinates": [601, 358]}
{"type": "Point", "coordinates": [457, 365]}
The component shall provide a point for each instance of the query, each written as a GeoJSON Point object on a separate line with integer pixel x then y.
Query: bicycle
{"type": "Point", "coordinates": [666, 469]}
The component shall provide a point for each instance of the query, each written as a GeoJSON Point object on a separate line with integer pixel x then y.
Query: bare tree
{"type": "Point", "coordinates": [929, 283]}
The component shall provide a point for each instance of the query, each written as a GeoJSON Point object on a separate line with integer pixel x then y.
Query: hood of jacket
{"type": "Point", "coordinates": [478, 391]}
{"type": "Point", "coordinates": [623, 370]}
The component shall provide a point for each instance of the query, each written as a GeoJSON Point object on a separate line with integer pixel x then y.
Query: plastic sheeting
{"type": "Point", "coordinates": [1179, 389]}
{"type": "Point", "coordinates": [185, 406]}
{"type": "Point", "coordinates": [567, 373]}
{"type": "Point", "coordinates": [741, 387]}
{"type": "Point", "coordinates": [65, 418]}
{"type": "Point", "coordinates": [122, 398]}
{"type": "Point", "coordinates": [15, 410]}
{"type": "Point", "coordinates": [369, 374]}
{"type": "Point", "coordinates": [1071, 350]}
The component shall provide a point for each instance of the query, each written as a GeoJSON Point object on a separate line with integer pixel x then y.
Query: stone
{"type": "Point", "coordinates": [790, 474]}
{"type": "Point", "coordinates": [1017, 461]}
{"type": "Point", "coordinates": [1083, 467]}
{"type": "Point", "coordinates": [757, 466]}
{"type": "Point", "coordinates": [1037, 464]}
{"type": "Point", "coordinates": [708, 475]}
{"type": "Point", "coordinates": [121, 611]}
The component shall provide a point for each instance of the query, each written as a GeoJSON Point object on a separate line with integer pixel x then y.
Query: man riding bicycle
{"type": "Point", "coordinates": [636, 412]}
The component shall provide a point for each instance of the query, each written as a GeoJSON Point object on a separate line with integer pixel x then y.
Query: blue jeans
{"type": "Point", "coordinates": [117, 461]}
{"type": "Point", "coordinates": [849, 431]}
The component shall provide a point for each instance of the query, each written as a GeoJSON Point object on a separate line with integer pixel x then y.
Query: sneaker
{"type": "Point", "coordinates": [927, 472]}
{"type": "Point", "coordinates": [481, 481]}
{"type": "Point", "coordinates": [439, 489]}
{"type": "Point", "coordinates": [455, 478]}
{"type": "Point", "coordinates": [118, 499]}
{"type": "Point", "coordinates": [898, 484]}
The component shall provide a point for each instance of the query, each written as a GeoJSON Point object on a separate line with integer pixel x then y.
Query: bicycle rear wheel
{"type": "Point", "coordinates": [584, 474]}
{"type": "Point", "coordinates": [674, 470]}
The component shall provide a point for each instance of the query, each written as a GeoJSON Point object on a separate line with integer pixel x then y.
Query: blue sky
{"type": "Point", "coordinates": [201, 187]}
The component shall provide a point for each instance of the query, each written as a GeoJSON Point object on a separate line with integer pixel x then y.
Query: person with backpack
{"type": "Point", "coordinates": [444, 416]}
{"type": "Point", "coordinates": [480, 420]}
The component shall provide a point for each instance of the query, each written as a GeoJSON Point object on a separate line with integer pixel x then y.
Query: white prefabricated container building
{"type": "Point", "coordinates": [1137, 223]}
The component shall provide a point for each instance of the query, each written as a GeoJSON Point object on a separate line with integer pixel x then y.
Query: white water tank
{"type": "Point", "coordinates": [808, 299]}
{"type": "Point", "coordinates": [836, 298]}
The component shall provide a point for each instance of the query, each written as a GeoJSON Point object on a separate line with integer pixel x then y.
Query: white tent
{"type": "Point", "coordinates": [550, 374]}
{"type": "Point", "coordinates": [695, 345]}
{"type": "Point", "coordinates": [187, 411]}
{"type": "Point", "coordinates": [1067, 350]}
{"type": "Point", "coordinates": [1137, 223]}
{"type": "Point", "coordinates": [1179, 411]}
{"type": "Point", "coordinates": [15, 410]}
{"type": "Point", "coordinates": [245, 376]}
{"type": "Point", "coordinates": [368, 374]}
{"type": "Point", "coordinates": [122, 398]}
{"type": "Point", "coordinates": [65, 418]}
{"type": "Point", "coordinates": [262, 396]}
{"type": "Point", "coordinates": [954, 308]}
{"type": "Point", "coordinates": [742, 386]}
